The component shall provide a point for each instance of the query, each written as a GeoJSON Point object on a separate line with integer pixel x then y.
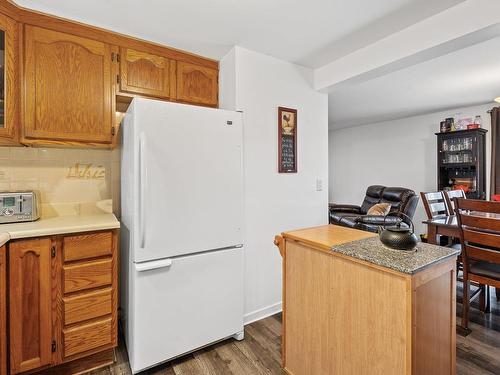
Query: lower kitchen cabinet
{"type": "Point", "coordinates": [3, 310]}
{"type": "Point", "coordinates": [30, 310]}
{"type": "Point", "coordinates": [63, 300]}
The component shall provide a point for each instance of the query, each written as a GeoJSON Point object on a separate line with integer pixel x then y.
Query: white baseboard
{"type": "Point", "coordinates": [262, 313]}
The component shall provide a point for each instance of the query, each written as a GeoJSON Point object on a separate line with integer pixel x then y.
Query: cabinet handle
{"type": "Point", "coordinates": [53, 251]}
{"type": "Point", "coordinates": [142, 189]}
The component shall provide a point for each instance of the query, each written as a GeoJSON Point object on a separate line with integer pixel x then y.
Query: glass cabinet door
{"type": "Point", "coordinates": [9, 90]}
{"type": "Point", "coordinates": [458, 150]}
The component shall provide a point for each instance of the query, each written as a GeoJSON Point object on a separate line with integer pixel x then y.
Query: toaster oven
{"type": "Point", "coordinates": [19, 206]}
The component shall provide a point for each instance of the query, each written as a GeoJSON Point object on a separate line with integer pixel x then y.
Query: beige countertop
{"type": "Point", "coordinates": [61, 225]}
{"type": "Point", "coordinates": [62, 219]}
{"type": "Point", "coordinates": [4, 238]}
{"type": "Point", "coordinates": [325, 237]}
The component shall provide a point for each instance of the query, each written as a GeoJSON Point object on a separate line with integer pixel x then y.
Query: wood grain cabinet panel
{"type": "Point", "coordinates": [86, 246]}
{"type": "Point", "coordinates": [87, 275]}
{"type": "Point", "coordinates": [197, 84]}
{"type": "Point", "coordinates": [145, 73]}
{"type": "Point", "coordinates": [68, 87]}
{"type": "Point", "coordinates": [9, 91]}
{"type": "Point", "coordinates": [87, 337]}
{"type": "Point", "coordinates": [3, 310]}
{"type": "Point", "coordinates": [30, 304]}
{"type": "Point", "coordinates": [87, 306]}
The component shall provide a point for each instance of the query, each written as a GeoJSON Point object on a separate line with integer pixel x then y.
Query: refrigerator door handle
{"type": "Point", "coordinates": [142, 189]}
{"type": "Point", "coordinates": [153, 265]}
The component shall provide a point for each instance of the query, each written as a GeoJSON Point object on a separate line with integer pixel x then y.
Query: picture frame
{"type": "Point", "coordinates": [287, 140]}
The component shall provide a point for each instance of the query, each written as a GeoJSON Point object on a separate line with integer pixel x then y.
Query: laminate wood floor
{"type": "Point", "coordinates": [260, 351]}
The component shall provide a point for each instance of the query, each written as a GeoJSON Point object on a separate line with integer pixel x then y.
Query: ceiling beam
{"type": "Point", "coordinates": [460, 26]}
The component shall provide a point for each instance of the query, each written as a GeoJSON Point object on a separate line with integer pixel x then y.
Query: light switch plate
{"type": "Point", "coordinates": [319, 184]}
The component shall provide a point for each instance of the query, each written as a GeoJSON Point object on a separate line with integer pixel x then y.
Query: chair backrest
{"type": "Point", "coordinates": [479, 223]}
{"type": "Point", "coordinates": [449, 195]}
{"type": "Point", "coordinates": [397, 197]}
{"type": "Point", "coordinates": [372, 196]}
{"type": "Point", "coordinates": [435, 204]}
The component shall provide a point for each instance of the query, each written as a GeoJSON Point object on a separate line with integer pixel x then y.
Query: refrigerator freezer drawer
{"type": "Point", "coordinates": [184, 304]}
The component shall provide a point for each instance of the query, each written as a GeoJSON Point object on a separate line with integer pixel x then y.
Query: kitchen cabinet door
{"type": "Point", "coordinates": [9, 83]}
{"type": "Point", "coordinates": [30, 313]}
{"type": "Point", "coordinates": [197, 84]}
{"type": "Point", "coordinates": [68, 88]}
{"type": "Point", "coordinates": [3, 311]}
{"type": "Point", "coordinates": [146, 74]}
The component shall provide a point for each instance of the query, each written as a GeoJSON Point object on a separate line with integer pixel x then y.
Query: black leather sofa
{"type": "Point", "coordinates": [352, 216]}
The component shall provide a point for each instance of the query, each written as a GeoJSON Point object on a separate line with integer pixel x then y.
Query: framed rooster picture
{"type": "Point", "coordinates": [287, 140]}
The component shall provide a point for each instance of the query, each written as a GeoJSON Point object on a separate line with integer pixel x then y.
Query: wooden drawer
{"type": "Point", "coordinates": [87, 275]}
{"type": "Point", "coordinates": [85, 246]}
{"type": "Point", "coordinates": [87, 306]}
{"type": "Point", "coordinates": [86, 337]}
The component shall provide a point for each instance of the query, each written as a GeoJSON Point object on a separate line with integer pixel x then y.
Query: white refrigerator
{"type": "Point", "coordinates": [181, 236]}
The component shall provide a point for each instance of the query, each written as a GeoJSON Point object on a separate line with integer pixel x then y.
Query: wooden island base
{"type": "Point", "coordinates": [343, 315]}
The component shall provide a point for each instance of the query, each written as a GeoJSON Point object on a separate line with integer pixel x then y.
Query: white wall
{"type": "Point", "coordinates": [258, 84]}
{"type": "Point", "coordinates": [393, 153]}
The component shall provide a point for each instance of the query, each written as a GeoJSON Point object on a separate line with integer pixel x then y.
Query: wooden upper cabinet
{"type": "Point", "coordinates": [30, 304]}
{"type": "Point", "coordinates": [9, 83]}
{"type": "Point", "coordinates": [197, 84]}
{"type": "Point", "coordinates": [69, 87]}
{"type": "Point", "coordinates": [146, 74]}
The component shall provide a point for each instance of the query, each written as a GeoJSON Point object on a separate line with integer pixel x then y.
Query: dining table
{"type": "Point", "coordinates": [442, 226]}
{"type": "Point", "coordinates": [448, 226]}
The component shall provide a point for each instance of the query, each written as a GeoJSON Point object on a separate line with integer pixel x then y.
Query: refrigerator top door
{"type": "Point", "coordinates": [189, 172]}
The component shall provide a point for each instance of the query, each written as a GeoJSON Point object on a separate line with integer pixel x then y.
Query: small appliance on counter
{"type": "Point", "coordinates": [19, 206]}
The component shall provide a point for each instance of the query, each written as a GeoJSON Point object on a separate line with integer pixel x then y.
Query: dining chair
{"type": "Point", "coordinates": [435, 204]}
{"type": "Point", "coordinates": [479, 223]}
{"type": "Point", "coordinates": [450, 195]}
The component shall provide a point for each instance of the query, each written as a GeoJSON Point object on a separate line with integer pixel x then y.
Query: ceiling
{"type": "Point", "coordinates": [466, 77]}
{"type": "Point", "coordinates": [310, 33]}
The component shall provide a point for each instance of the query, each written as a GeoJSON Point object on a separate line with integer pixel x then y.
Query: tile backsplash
{"type": "Point", "coordinates": [62, 175]}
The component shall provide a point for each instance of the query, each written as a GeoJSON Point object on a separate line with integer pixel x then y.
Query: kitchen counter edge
{"type": "Point", "coordinates": [58, 225]}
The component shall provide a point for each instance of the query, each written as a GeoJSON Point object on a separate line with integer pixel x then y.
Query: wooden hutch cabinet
{"type": "Point", "coordinates": [462, 161]}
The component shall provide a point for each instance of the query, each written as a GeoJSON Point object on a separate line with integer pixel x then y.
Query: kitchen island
{"type": "Point", "coordinates": [353, 306]}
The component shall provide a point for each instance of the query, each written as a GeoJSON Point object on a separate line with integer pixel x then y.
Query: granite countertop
{"type": "Point", "coordinates": [373, 251]}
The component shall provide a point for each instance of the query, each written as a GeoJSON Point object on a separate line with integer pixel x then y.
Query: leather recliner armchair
{"type": "Point", "coordinates": [352, 216]}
